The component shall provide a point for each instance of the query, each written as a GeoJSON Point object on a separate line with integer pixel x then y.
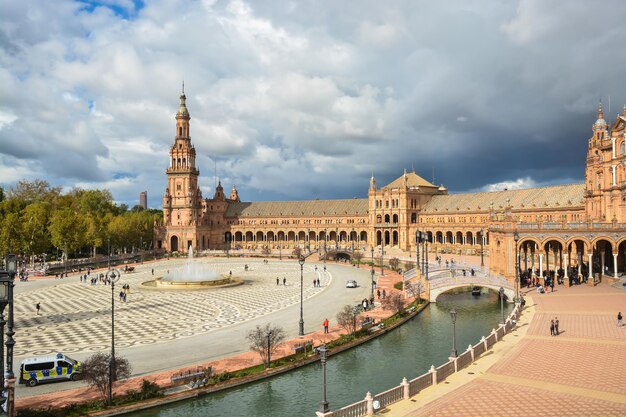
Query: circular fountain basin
{"type": "Point", "coordinates": [160, 283]}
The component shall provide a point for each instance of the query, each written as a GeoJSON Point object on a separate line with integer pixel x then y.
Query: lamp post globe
{"type": "Point", "coordinates": [301, 327]}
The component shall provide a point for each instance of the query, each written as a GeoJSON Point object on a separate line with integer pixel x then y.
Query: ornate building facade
{"type": "Point", "coordinates": [564, 227]}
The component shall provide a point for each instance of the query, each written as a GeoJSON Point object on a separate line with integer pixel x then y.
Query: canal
{"type": "Point", "coordinates": [376, 366]}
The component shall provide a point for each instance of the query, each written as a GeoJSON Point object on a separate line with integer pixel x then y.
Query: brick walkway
{"type": "Point", "coordinates": [582, 372]}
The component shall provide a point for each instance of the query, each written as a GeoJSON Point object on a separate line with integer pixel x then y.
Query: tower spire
{"type": "Point", "coordinates": [183, 87]}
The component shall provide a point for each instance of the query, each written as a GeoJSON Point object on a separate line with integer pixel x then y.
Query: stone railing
{"type": "Point", "coordinates": [407, 389]}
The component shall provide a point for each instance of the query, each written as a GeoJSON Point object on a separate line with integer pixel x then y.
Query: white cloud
{"type": "Point", "coordinates": [518, 184]}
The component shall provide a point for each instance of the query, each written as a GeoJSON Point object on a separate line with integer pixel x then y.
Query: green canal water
{"type": "Point", "coordinates": [376, 366]}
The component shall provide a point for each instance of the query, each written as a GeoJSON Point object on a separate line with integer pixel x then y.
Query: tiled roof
{"type": "Point", "coordinates": [412, 180]}
{"type": "Point", "coordinates": [357, 206]}
{"type": "Point", "coordinates": [570, 195]}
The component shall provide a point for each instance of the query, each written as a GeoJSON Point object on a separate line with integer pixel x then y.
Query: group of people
{"type": "Point", "coordinates": [554, 327]}
{"type": "Point", "coordinates": [316, 282]}
{"type": "Point", "coordinates": [124, 292]}
{"type": "Point", "coordinates": [384, 294]}
{"type": "Point", "coordinates": [278, 281]}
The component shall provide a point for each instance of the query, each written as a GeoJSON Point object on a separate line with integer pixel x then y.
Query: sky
{"type": "Point", "coordinates": [297, 100]}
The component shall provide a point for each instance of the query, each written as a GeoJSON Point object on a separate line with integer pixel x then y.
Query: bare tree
{"type": "Point", "coordinates": [414, 289]}
{"type": "Point", "coordinates": [297, 252]}
{"type": "Point", "coordinates": [357, 256]}
{"type": "Point", "coordinates": [394, 262]}
{"type": "Point", "coordinates": [393, 302]}
{"type": "Point", "coordinates": [346, 319]}
{"type": "Point", "coordinates": [409, 265]}
{"type": "Point", "coordinates": [96, 372]}
{"type": "Point", "coordinates": [266, 250]}
{"type": "Point", "coordinates": [258, 338]}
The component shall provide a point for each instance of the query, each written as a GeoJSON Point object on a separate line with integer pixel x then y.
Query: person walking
{"type": "Point", "coordinates": [619, 319]}
{"type": "Point", "coordinates": [384, 293]}
{"type": "Point", "coordinates": [38, 307]}
{"type": "Point", "coordinates": [152, 271]}
{"type": "Point", "coordinates": [284, 281]}
{"type": "Point", "coordinates": [551, 327]}
{"type": "Point", "coordinates": [325, 324]}
{"type": "Point", "coordinates": [314, 282]}
{"type": "Point", "coordinates": [318, 283]}
{"type": "Point", "coordinates": [556, 326]}
{"type": "Point", "coordinates": [277, 281]}
{"type": "Point", "coordinates": [378, 294]}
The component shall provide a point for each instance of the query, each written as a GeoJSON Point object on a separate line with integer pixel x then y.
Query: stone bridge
{"type": "Point", "coordinates": [444, 281]}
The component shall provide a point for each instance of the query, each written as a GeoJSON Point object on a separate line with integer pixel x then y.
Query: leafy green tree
{"type": "Point", "coordinates": [35, 218]}
{"type": "Point", "coordinates": [10, 233]}
{"type": "Point", "coordinates": [1, 194]}
{"type": "Point", "coordinates": [33, 191]}
{"type": "Point", "coordinates": [68, 230]}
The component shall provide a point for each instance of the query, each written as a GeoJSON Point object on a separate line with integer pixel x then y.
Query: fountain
{"type": "Point", "coordinates": [193, 275]}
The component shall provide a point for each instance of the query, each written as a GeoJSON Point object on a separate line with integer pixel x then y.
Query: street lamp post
{"type": "Point", "coordinates": [113, 276]}
{"type": "Point", "coordinates": [301, 328]}
{"type": "Point", "coordinates": [269, 341]}
{"type": "Point", "coordinates": [109, 253]}
{"type": "Point", "coordinates": [352, 239]}
{"type": "Point", "coordinates": [141, 248]}
{"type": "Point", "coordinates": [5, 282]}
{"type": "Point", "coordinates": [11, 268]}
{"type": "Point", "coordinates": [502, 304]}
{"type": "Point", "coordinates": [65, 259]}
{"type": "Point", "coordinates": [418, 241]}
{"type": "Point", "coordinates": [453, 316]}
{"type": "Point", "coordinates": [516, 239]}
{"type": "Point", "coordinates": [426, 259]}
{"type": "Point", "coordinates": [324, 403]}
{"type": "Point", "coordinates": [372, 286]}
{"type": "Point", "coordinates": [482, 239]}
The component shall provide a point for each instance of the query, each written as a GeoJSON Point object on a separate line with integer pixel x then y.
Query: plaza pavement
{"type": "Point", "coordinates": [581, 372]}
{"type": "Point", "coordinates": [164, 330]}
{"type": "Point", "coordinates": [234, 354]}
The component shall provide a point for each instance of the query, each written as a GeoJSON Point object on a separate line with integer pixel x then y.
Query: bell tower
{"type": "Point", "coordinates": [598, 174]}
{"type": "Point", "coordinates": [182, 200]}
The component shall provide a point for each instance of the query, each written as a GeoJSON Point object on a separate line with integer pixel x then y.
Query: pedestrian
{"type": "Point", "coordinates": [551, 327]}
{"type": "Point", "coordinates": [277, 281]}
{"type": "Point", "coordinates": [619, 319]}
{"type": "Point", "coordinates": [556, 326]}
{"type": "Point", "coordinates": [284, 281]}
{"type": "Point", "coordinates": [364, 304]}
{"type": "Point", "coordinates": [325, 324]}
{"type": "Point", "coordinates": [384, 293]}
{"type": "Point", "coordinates": [318, 283]}
{"type": "Point", "coordinates": [552, 285]}
{"type": "Point", "coordinates": [122, 295]}
{"type": "Point", "coordinates": [378, 294]}
{"type": "Point", "coordinates": [38, 307]}
{"type": "Point", "coordinates": [314, 282]}
{"type": "Point", "coordinates": [152, 271]}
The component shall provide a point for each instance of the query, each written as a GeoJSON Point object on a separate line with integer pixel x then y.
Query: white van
{"type": "Point", "coordinates": [49, 368]}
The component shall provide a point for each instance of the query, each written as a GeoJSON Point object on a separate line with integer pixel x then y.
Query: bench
{"type": "Point", "coordinates": [366, 325]}
{"type": "Point", "coordinates": [190, 376]}
{"type": "Point", "coordinates": [302, 347]}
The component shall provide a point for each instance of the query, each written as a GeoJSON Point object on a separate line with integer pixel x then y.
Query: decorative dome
{"type": "Point", "coordinates": [442, 188]}
{"type": "Point", "coordinates": [600, 124]}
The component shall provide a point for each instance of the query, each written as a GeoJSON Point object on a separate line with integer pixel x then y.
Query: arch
{"type": "Point", "coordinates": [259, 237]}
{"type": "Point", "coordinates": [387, 237]}
{"type": "Point", "coordinates": [363, 237]}
{"type": "Point", "coordinates": [322, 236]}
{"type": "Point", "coordinates": [459, 238]}
{"type": "Point", "coordinates": [395, 237]}
{"type": "Point", "coordinates": [379, 219]}
{"type": "Point", "coordinates": [430, 236]}
{"type": "Point", "coordinates": [174, 244]}
{"type": "Point", "coordinates": [379, 238]}
{"type": "Point", "coordinates": [438, 237]}
{"type": "Point", "coordinates": [413, 218]}
{"type": "Point", "coordinates": [302, 236]}
{"type": "Point", "coordinates": [509, 293]}
{"type": "Point", "coordinates": [448, 237]}
{"type": "Point", "coordinates": [602, 260]}
{"type": "Point", "coordinates": [281, 236]}
{"type": "Point", "coordinates": [271, 236]}
{"type": "Point", "coordinates": [469, 238]}
{"type": "Point", "coordinates": [622, 148]}
{"type": "Point", "coordinates": [332, 236]}
{"type": "Point", "coordinates": [291, 236]}
{"type": "Point", "coordinates": [395, 218]}
{"type": "Point", "coordinates": [312, 237]}
{"type": "Point", "coordinates": [594, 242]}
{"type": "Point", "coordinates": [238, 236]}
{"type": "Point", "coordinates": [387, 218]}
{"type": "Point", "coordinates": [249, 237]}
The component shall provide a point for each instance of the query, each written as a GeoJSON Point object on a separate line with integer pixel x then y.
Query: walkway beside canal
{"type": "Point", "coordinates": [530, 373]}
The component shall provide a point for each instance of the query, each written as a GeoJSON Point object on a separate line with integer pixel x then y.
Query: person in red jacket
{"type": "Point", "coordinates": [325, 324]}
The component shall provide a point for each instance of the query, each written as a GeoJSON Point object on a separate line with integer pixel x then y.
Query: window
{"type": "Point", "coordinates": [622, 148]}
{"type": "Point", "coordinates": [41, 366]}
{"type": "Point", "coordinates": [180, 131]}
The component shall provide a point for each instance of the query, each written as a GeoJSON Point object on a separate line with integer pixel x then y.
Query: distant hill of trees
{"type": "Point", "coordinates": [36, 218]}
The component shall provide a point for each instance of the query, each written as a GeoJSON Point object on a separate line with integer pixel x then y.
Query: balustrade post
{"type": "Point", "coordinates": [433, 371]}
{"type": "Point", "coordinates": [405, 386]}
{"type": "Point", "coordinates": [370, 404]}
{"type": "Point", "coordinates": [471, 349]}
{"type": "Point", "coordinates": [495, 333]}
{"type": "Point", "coordinates": [484, 342]}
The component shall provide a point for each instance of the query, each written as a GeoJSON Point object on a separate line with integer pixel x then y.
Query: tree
{"type": "Point", "coordinates": [10, 233]}
{"type": "Point", "coordinates": [258, 339]}
{"type": "Point", "coordinates": [35, 218]}
{"type": "Point", "coordinates": [297, 252]}
{"type": "Point", "coordinates": [346, 319]}
{"type": "Point", "coordinates": [68, 230]}
{"type": "Point", "coordinates": [33, 191]}
{"type": "Point", "coordinates": [394, 262]}
{"type": "Point", "coordinates": [393, 302]}
{"type": "Point", "coordinates": [357, 257]}
{"type": "Point", "coordinates": [96, 372]}
{"type": "Point", "coordinates": [414, 290]}
{"type": "Point", "coordinates": [266, 250]}
{"type": "Point", "coordinates": [409, 265]}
